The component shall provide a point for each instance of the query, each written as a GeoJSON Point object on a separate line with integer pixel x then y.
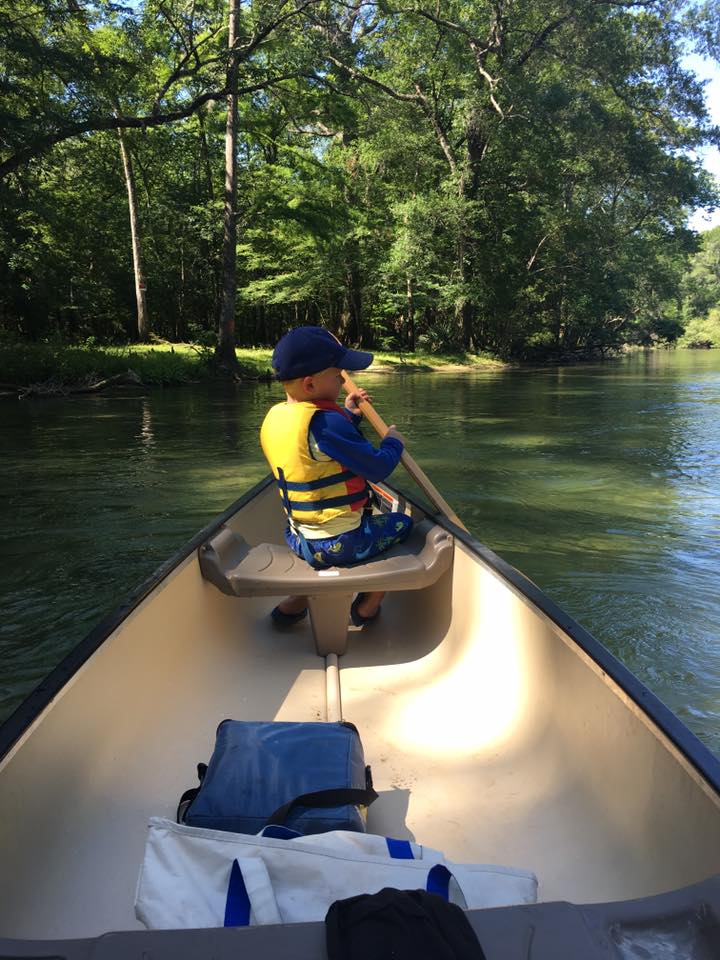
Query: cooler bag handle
{"type": "Point", "coordinates": [324, 798]}
{"type": "Point", "coordinates": [187, 798]}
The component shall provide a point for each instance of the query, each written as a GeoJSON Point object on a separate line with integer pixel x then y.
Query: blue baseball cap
{"type": "Point", "coordinates": [307, 350]}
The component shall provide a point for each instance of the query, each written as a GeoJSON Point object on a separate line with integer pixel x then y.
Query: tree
{"type": "Point", "coordinates": [143, 322]}
{"type": "Point", "coordinates": [701, 283]}
{"type": "Point", "coordinates": [479, 76]}
{"type": "Point", "coordinates": [509, 177]}
{"type": "Point", "coordinates": [225, 353]}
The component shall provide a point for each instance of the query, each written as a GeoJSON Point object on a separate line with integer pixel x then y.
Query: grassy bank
{"type": "Point", "coordinates": [162, 364]}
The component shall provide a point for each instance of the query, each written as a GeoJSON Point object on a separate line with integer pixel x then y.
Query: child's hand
{"type": "Point", "coordinates": [352, 400]}
{"type": "Point", "coordinates": [394, 432]}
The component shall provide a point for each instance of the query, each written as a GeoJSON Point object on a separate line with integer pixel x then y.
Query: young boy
{"type": "Point", "coordinates": [322, 464]}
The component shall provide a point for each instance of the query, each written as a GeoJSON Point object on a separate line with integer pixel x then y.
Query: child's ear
{"type": "Point", "coordinates": [308, 384]}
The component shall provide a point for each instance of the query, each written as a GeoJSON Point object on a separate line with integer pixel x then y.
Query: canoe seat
{"type": "Point", "coordinates": [273, 570]}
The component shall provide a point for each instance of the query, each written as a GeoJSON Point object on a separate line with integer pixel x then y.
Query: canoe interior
{"type": "Point", "coordinates": [491, 735]}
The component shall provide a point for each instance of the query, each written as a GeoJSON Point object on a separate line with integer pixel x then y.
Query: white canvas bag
{"type": "Point", "coordinates": [193, 877]}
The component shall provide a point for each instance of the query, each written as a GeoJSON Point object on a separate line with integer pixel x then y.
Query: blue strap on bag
{"type": "Point", "coordinates": [237, 903]}
{"type": "Point", "coordinates": [438, 881]}
{"type": "Point", "coordinates": [399, 849]}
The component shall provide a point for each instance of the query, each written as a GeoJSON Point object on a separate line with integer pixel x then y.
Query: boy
{"type": "Point", "coordinates": [322, 464]}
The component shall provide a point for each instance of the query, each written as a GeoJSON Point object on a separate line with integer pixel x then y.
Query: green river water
{"type": "Point", "coordinates": [601, 483]}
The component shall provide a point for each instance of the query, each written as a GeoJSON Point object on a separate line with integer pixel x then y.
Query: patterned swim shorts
{"type": "Point", "coordinates": [376, 534]}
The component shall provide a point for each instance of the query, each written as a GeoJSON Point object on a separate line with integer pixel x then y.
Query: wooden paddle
{"type": "Point", "coordinates": [412, 467]}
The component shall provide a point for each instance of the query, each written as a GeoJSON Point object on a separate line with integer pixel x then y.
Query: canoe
{"type": "Point", "coordinates": [499, 731]}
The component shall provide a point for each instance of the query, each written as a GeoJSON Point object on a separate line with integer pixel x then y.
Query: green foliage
{"type": "Point", "coordinates": [25, 363]}
{"type": "Point", "coordinates": [703, 332]}
{"type": "Point", "coordinates": [700, 289]}
{"type": "Point", "coordinates": [399, 184]}
{"type": "Point", "coordinates": [701, 283]}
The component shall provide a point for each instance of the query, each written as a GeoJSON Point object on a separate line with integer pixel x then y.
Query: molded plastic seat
{"type": "Point", "coordinates": [273, 570]}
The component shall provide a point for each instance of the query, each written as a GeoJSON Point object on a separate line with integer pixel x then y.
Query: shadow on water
{"type": "Point", "coordinates": [600, 483]}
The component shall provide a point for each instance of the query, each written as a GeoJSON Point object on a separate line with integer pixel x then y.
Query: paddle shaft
{"type": "Point", "coordinates": [410, 464]}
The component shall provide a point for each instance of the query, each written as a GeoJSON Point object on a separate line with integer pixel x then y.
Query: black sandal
{"type": "Point", "coordinates": [281, 619]}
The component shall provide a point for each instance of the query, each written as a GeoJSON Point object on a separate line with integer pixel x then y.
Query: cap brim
{"type": "Point", "coordinates": [355, 360]}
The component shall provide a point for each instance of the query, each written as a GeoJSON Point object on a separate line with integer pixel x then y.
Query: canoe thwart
{"type": "Point", "coordinates": [273, 570]}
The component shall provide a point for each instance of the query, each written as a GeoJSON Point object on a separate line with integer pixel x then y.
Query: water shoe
{"type": "Point", "coordinates": [281, 619]}
{"type": "Point", "coordinates": [358, 620]}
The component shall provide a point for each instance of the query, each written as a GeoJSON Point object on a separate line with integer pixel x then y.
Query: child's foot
{"type": "Point", "coordinates": [364, 608]}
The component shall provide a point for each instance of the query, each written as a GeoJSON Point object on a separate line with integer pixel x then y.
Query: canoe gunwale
{"type": "Point", "coordinates": [555, 930]}
{"type": "Point", "coordinates": [694, 752]}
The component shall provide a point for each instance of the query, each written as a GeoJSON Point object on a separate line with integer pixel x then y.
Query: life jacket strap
{"type": "Point", "coordinates": [304, 545]}
{"type": "Point", "coordinates": [322, 482]}
{"type": "Point", "coordinates": [327, 502]}
{"type": "Point", "coordinates": [282, 483]}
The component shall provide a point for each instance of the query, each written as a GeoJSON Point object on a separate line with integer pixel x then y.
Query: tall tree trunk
{"type": "Point", "coordinates": [468, 191]}
{"type": "Point", "coordinates": [205, 151]}
{"type": "Point", "coordinates": [411, 313]}
{"type": "Point", "coordinates": [143, 320]}
{"type": "Point", "coordinates": [225, 356]}
{"type": "Point", "coordinates": [180, 325]}
{"type": "Point", "coordinates": [561, 313]}
{"type": "Point", "coordinates": [351, 327]}
{"type": "Point", "coordinates": [464, 308]}
{"type": "Point", "coordinates": [351, 320]}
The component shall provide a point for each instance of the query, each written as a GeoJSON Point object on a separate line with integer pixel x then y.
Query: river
{"type": "Point", "coordinates": [601, 483]}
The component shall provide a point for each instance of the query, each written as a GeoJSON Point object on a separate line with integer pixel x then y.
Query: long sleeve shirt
{"type": "Point", "coordinates": [337, 437]}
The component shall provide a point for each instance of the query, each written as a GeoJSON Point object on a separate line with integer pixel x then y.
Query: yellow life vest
{"type": "Point", "coordinates": [315, 491]}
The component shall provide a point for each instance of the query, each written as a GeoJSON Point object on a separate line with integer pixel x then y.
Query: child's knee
{"type": "Point", "coordinates": [403, 525]}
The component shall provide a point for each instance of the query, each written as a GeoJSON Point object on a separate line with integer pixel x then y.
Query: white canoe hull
{"type": "Point", "coordinates": [497, 729]}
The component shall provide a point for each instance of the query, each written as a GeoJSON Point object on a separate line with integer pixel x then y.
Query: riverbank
{"type": "Point", "coordinates": [46, 368]}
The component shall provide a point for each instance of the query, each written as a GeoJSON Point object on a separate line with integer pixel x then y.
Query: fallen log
{"type": "Point", "coordinates": [55, 388]}
{"type": "Point", "coordinates": [128, 378]}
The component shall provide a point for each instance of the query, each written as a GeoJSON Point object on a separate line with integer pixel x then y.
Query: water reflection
{"type": "Point", "coordinates": [599, 482]}
{"type": "Point", "coordinates": [146, 436]}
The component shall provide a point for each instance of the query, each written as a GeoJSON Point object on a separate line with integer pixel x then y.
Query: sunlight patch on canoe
{"type": "Point", "coordinates": [477, 703]}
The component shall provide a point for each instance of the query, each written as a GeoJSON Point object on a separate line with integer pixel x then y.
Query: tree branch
{"type": "Point", "coordinates": [238, 53]}
{"type": "Point", "coordinates": [180, 71]}
{"type": "Point", "coordinates": [534, 257]}
{"type": "Point", "coordinates": [114, 123]}
{"type": "Point", "coordinates": [432, 116]}
{"type": "Point", "coordinates": [539, 39]}
{"type": "Point", "coordinates": [440, 22]}
{"type": "Point", "coordinates": [371, 81]}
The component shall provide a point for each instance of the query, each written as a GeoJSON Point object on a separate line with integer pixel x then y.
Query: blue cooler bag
{"type": "Point", "coordinates": [309, 777]}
